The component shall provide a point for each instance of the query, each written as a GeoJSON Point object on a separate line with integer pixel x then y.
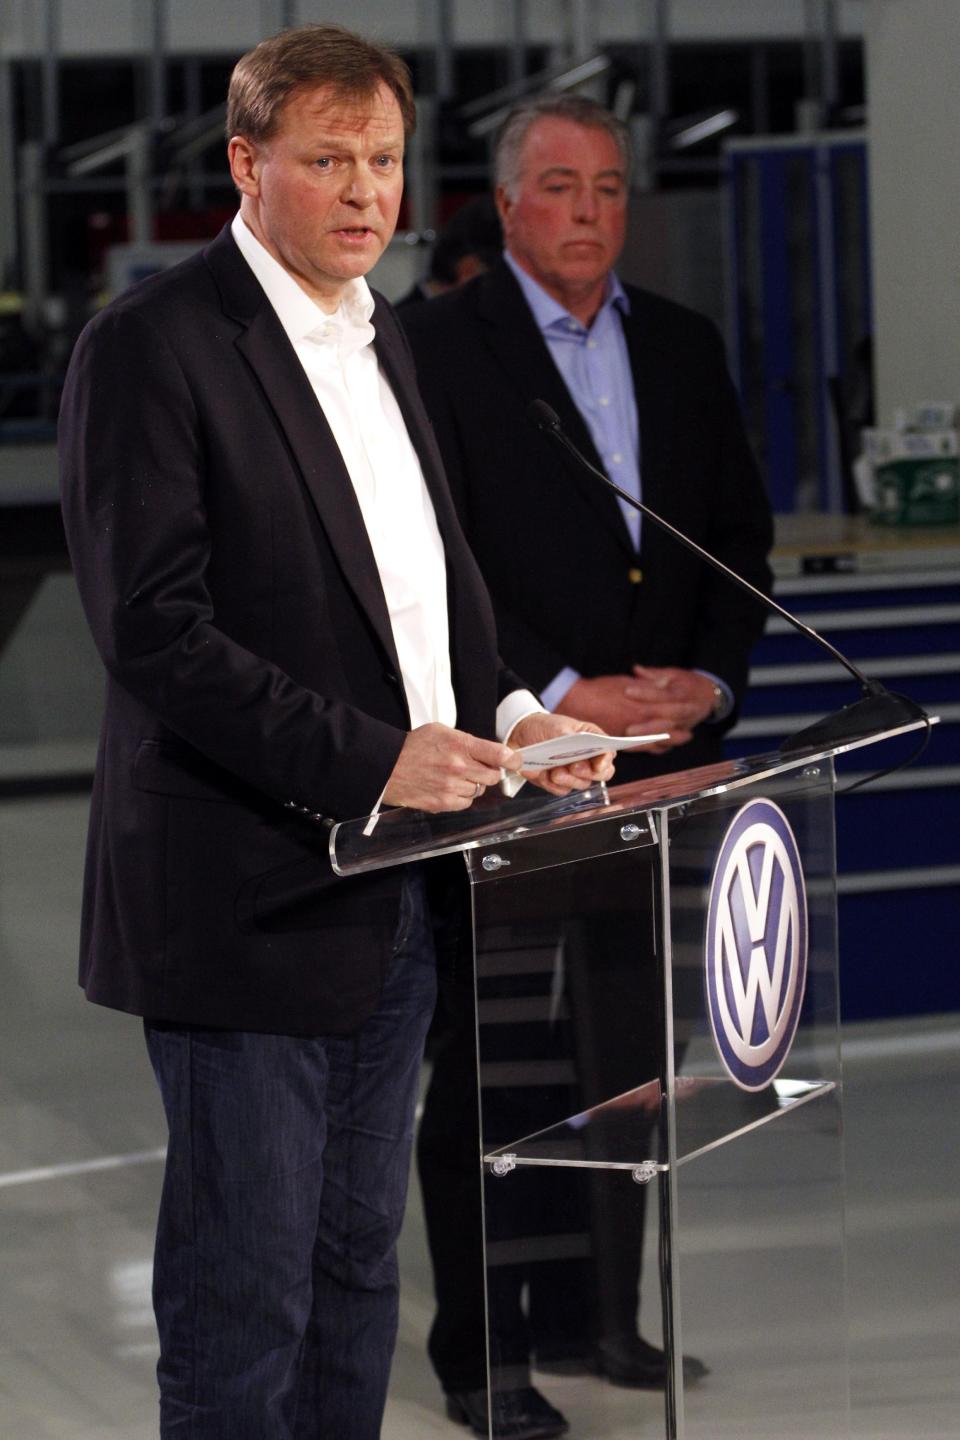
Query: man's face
{"type": "Point", "coordinates": [323, 193]}
{"type": "Point", "coordinates": [565, 222]}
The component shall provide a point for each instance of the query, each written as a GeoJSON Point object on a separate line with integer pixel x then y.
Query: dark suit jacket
{"type": "Point", "coordinates": [253, 688]}
{"type": "Point", "coordinates": [551, 542]}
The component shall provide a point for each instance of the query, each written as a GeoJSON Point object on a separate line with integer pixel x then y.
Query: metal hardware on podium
{"type": "Point", "coordinates": [492, 863]}
{"type": "Point", "coordinates": [631, 832]}
{"type": "Point", "coordinates": [503, 1165]}
{"type": "Point", "coordinates": [643, 1173]}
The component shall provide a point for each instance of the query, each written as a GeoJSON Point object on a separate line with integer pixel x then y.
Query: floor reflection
{"type": "Point", "coordinates": [76, 1336]}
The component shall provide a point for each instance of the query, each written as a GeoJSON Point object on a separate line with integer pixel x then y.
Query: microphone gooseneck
{"type": "Point", "coordinates": [877, 708]}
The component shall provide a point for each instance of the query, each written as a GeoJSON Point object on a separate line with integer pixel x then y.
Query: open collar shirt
{"type": "Point", "coordinates": [338, 358]}
{"type": "Point", "coordinates": [595, 366]}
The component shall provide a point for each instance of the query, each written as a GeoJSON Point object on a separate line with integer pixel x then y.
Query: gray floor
{"type": "Point", "coordinates": [80, 1139]}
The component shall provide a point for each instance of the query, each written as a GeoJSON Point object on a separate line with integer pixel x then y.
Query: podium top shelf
{"type": "Point", "coordinates": [399, 836]}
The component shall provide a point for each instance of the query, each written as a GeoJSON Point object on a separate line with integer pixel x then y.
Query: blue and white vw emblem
{"type": "Point", "coordinates": [756, 950]}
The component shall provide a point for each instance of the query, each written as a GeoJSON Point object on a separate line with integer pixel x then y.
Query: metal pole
{"type": "Point", "coordinates": [34, 257]}
{"type": "Point", "coordinates": [422, 168]}
{"type": "Point", "coordinates": [137, 165]}
{"type": "Point", "coordinates": [518, 42]}
{"type": "Point", "coordinates": [810, 109]}
{"type": "Point", "coordinates": [583, 44]}
{"type": "Point", "coordinates": [660, 64]}
{"type": "Point", "coordinates": [582, 29]}
{"type": "Point", "coordinates": [830, 69]}
{"type": "Point", "coordinates": [653, 26]}
{"type": "Point", "coordinates": [157, 66]}
{"type": "Point", "coordinates": [443, 49]}
{"type": "Point", "coordinates": [50, 73]}
{"type": "Point", "coordinates": [139, 197]}
{"type": "Point", "coordinates": [8, 180]}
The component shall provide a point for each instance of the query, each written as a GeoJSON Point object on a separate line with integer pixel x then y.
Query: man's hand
{"type": "Point", "coordinates": [562, 778]}
{"type": "Point", "coordinates": [673, 699]}
{"type": "Point", "coordinates": [604, 701]}
{"type": "Point", "coordinates": [440, 769]}
{"type": "Point", "coordinates": [647, 701]}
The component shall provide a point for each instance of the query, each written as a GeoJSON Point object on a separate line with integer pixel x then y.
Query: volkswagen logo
{"type": "Point", "coordinates": [756, 948]}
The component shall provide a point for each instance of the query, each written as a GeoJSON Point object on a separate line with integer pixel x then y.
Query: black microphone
{"type": "Point", "coordinates": [877, 709]}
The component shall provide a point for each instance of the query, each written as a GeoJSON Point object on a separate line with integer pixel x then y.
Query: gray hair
{"type": "Point", "coordinates": [576, 108]}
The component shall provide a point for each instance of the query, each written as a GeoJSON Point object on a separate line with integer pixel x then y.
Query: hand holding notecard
{"type": "Point", "coordinates": [567, 749]}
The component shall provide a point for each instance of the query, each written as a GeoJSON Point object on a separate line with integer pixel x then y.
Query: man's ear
{"type": "Point", "coordinates": [468, 267]}
{"type": "Point", "coordinates": [244, 157]}
{"type": "Point", "coordinates": [504, 206]}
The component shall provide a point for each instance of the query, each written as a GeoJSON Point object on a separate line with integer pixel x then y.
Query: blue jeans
{"type": "Point", "coordinates": [275, 1273]}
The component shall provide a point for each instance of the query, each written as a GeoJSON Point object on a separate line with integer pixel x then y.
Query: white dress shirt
{"type": "Point", "coordinates": [340, 362]}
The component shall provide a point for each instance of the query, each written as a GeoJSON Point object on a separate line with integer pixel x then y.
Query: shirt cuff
{"type": "Point", "coordinates": [723, 708]}
{"type": "Point", "coordinates": [552, 694]}
{"type": "Point", "coordinates": [512, 709]}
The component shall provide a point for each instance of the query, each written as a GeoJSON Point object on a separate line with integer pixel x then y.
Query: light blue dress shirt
{"type": "Point", "coordinates": [595, 365]}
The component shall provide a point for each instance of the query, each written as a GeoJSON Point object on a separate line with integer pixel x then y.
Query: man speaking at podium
{"type": "Point", "coordinates": [293, 629]}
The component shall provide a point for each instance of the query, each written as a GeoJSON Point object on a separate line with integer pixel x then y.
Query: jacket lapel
{"type": "Point", "coordinates": [521, 351]}
{"type": "Point", "coordinates": [398, 368]}
{"type": "Point", "coordinates": [466, 595]}
{"type": "Point", "coordinates": [655, 381]}
{"type": "Point", "coordinates": [271, 357]}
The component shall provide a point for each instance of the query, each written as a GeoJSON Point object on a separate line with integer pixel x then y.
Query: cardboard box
{"type": "Point", "coordinates": [916, 476]}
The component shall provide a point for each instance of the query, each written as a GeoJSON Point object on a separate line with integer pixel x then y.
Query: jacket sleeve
{"type": "Point", "coordinates": [729, 621]}
{"type": "Point", "coordinates": [133, 468]}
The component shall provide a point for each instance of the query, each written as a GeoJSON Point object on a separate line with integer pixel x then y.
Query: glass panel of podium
{"type": "Point", "coordinates": [659, 1096]}
{"type": "Point", "coordinates": [632, 1182]}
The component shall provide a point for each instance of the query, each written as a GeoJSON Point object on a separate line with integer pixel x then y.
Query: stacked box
{"type": "Point", "coordinates": [916, 472]}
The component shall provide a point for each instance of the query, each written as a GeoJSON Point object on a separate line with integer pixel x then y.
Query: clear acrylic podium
{"type": "Point", "coordinates": [660, 1091]}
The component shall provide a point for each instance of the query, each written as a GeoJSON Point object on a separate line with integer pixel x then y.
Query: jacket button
{"type": "Point", "coordinates": [634, 575]}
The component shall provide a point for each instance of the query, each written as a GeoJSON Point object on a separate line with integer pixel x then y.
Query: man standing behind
{"type": "Point", "coordinates": [293, 628]}
{"type": "Point", "coordinates": [608, 616]}
{"type": "Point", "coordinates": [611, 619]}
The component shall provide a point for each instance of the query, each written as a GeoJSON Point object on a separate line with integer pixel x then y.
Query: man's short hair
{"type": "Point", "coordinates": [264, 79]}
{"type": "Point", "coordinates": [473, 230]}
{"type": "Point", "coordinates": [577, 108]}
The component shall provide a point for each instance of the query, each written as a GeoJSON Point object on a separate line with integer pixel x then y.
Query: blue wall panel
{"type": "Point", "coordinates": [899, 953]}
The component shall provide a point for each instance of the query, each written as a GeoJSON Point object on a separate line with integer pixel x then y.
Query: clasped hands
{"type": "Point", "coordinates": [440, 768]}
{"type": "Point", "coordinates": [649, 699]}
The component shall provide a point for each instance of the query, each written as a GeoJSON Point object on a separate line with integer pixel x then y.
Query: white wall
{"type": "Point", "coordinates": [913, 51]}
